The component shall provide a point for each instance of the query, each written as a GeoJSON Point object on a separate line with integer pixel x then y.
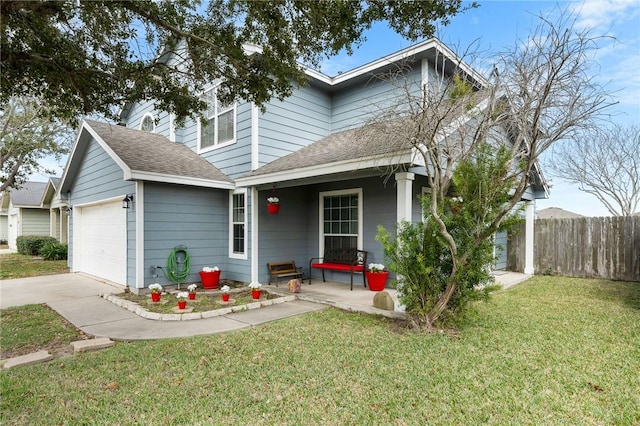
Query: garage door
{"type": "Point", "coordinates": [99, 241]}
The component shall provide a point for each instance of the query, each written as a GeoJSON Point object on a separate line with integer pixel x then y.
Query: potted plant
{"type": "Point", "coordinates": [273, 205]}
{"type": "Point", "coordinates": [192, 291]}
{"type": "Point", "coordinates": [377, 276]}
{"type": "Point", "coordinates": [255, 289]}
{"type": "Point", "coordinates": [210, 277]}
{"type": "Point", "coordinates": [156, 292]}
{"type": "Point", "coordinates": [182, 299]}
{"type": "Point", "coordinates": [225, 293]}
{"type": "Point", "coordinates": [456, 204]}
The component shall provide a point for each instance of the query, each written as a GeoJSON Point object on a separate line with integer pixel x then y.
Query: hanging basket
{"type": "Point", "coordinates": [273, 208]}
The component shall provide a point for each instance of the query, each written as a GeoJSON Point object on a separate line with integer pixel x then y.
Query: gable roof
{"type": "Point", "coordinates": [28, 195]}
{"type": "Point", "coordinates": [145, 156]}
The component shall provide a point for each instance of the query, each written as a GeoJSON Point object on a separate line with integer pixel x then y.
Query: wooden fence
{"type": "Point", "coordinates": [589, 247]}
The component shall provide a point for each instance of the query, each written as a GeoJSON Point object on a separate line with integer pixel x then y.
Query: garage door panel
{"type": "Point", "coordinates": [103, 241]}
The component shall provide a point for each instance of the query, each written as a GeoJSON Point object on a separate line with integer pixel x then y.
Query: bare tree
{"type": "Point", "coordinates": [604, 163]}
{"type": "Point", "coordinates": [541, 92]}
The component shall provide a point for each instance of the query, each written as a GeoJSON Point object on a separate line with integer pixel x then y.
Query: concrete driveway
{"type": "Point", "coordinates": [52, 288]}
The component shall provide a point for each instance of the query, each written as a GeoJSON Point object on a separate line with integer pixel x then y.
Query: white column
{"type": "Point", "coordinates": [404, 190]}
{"type": "Point", "coordinates": [528, 245]}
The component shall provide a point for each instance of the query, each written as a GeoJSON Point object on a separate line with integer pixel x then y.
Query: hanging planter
{"type": "Point", "coordinates": [273, 205]}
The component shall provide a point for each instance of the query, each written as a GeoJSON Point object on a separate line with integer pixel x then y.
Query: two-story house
{"type": "Point", "coordinates": [204, 185]}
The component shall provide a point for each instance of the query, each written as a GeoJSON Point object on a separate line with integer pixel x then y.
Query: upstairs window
{"type": "Point", "coordinates": [219, 127]}
{"type": "Point", "coordinates": [148, 124]}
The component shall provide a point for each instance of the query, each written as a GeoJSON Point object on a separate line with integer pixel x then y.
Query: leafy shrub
{"type": "Point", "coordinates": [32, 244]}
{"type": "Point", "coordinates": [54, 251]}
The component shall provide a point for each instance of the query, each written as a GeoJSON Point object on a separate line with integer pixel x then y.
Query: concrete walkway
{"type": "Point", "coordinates": [76, 297]}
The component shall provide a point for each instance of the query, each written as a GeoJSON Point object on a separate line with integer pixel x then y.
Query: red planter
{"type": "Point", "coordinates": [225, 297]}
{"type": "Point", "coordinates": [210, 280]}
{"type": "Point", "coordinates": [182, 304]}
{"type": "Point", "coordinates": [155, 297]}
{"type": "Point", "coordinates": [377, 280]}
{"type": "Point", "coordinates": [255, 294]}
{"type": "Point", "coordinates": [192, 296]}
{"type": "Point", "coordinates": [273, 208]}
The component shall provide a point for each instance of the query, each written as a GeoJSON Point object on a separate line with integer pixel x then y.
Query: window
{"type": "Point", "coordinates": [238, 224]}
{"type": "Point", "coordinates": [220, 125]}
{"type": "Point", "coordinates": [341, 217]}
{"type": "Point", "coordinates": [148, 124]}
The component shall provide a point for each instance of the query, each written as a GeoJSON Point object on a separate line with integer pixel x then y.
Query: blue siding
{"type": "Point", "coordinates": [355, 105]}
{"type": "Point", "coordinates": [196, 218]}
{"type": "Point", "coordinates": [298, 121]}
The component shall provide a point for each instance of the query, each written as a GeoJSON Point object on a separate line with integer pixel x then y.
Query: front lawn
{"type": "Point", "coordinates": [549, 351]}
{"type": "Point", "coordinates": [15, 265]}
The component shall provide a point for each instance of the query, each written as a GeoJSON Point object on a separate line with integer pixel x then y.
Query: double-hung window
{"type": "Point", "coordinates": [238, 225]}
{"type": "Point", "coordinates": [341, 219]}
{"type": "Point", "coordinates": [219, 127]}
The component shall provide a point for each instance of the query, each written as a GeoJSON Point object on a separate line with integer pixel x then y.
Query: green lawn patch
{"type": "Point", "coordinates": [15, 265]}
{"type": "Point", "coordinates": [31, 328]}
{"type": "Point", "coordinates": [549, 351]}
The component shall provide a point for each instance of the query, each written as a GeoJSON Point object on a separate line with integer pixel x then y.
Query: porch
{"type": "Point", "coordinates": [338, 295]}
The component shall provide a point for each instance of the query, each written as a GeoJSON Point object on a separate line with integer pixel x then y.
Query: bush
{"type": "Point", "coordinates": [32, 244]}
{"type": "Point", "coordinates": [54, 251]}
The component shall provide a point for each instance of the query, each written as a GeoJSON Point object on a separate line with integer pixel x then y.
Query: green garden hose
{"type": "Point", "coordinates": [178, 265]}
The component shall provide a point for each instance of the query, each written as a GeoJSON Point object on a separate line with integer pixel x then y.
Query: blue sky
{"type": "Point", "coordinates": [497, 25]}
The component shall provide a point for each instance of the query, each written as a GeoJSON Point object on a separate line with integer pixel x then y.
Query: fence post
{"type": "Point", "coordinates": [528, 234]}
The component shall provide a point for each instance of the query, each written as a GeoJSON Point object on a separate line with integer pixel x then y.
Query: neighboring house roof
{"type": "Point", "coordinates": [28, 195]}
{"type": "Point", "coordinates": [556, 213]}
{"type": "Point", "coordinates": [145, 156]}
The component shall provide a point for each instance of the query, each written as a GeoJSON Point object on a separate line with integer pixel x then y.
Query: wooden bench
{"type": "Point", "coordinates": [279, 270]}
{"type": "Point", "coordinates": [343, 260]}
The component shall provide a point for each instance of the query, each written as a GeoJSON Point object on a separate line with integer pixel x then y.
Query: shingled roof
{"type": "Point", "coordinates": [353, 144]}
{"type": "Point", "coordinates": [152, 153]}
{"type": "Point", "coordinates": [28, 195]}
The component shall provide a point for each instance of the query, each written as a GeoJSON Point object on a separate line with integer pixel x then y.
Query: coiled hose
{"type": "Point", "coordinates": [178, 265]}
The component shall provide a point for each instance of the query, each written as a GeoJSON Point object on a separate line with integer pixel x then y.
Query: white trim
{"type": "Point", "coordinates": [172, 127]}
{"type": "Point", "coordinates": [153, 122]}
{"type": "Point", "coordinates": [232, 254]}
{"type": "Point", "coordinates": [325, 169]}
{"type": "Point", "coordinates": [139, 203]}
{"type": "Point", "coordinates": [321, 195]}
{"type": "Point", "coordinates": [255, 146]}
{"type": "Point", "coordinates": [255, 261]}
{"type": "Point", "coordinates": [184, 180]}
{"type": "Point", "coordinates": [528, 238]}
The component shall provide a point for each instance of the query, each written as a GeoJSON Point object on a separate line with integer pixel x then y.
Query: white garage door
{"type": "Point", "coordinates": [99, 241]}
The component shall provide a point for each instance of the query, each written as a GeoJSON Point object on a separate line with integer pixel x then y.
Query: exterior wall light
{"type": "Point", "coordinates": [127, 200]}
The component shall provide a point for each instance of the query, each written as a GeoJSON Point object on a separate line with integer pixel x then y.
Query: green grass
{"type": "Point", "coordinates": [16, 265]}
{"type": "Point", "coordinates": [30, 328]}
{"type": "Point", "coordinates": [550, 351]}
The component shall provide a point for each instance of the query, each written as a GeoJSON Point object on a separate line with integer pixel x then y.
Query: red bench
{"type": "Point", "coordinates": [343, 260]}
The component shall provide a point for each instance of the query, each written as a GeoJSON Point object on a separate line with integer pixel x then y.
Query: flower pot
{"type": "Point", "coordinates": [192, 296]}
{"type": "Point", "coordinates": [182, 304]}
{"type": "Point", "coordinates": [225, 297]}
{"type": "Point", "coordinates": [255, 294]}
{"type": "Point", "coordinates": [210, 280]}
{"type": "Point", "coordinates": [273, 208]}
{"type": "Point", "coordinates": [155, 297]}
{"type": "Point", "coordinates": [377, 280]}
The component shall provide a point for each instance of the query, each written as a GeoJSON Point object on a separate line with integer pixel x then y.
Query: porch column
{"type": "Point", "coordinates": [528, 244]}
{"type": "Point", "coordinates": [404, 190]}
{"type": "Point", "coordinates": [52, 223]}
